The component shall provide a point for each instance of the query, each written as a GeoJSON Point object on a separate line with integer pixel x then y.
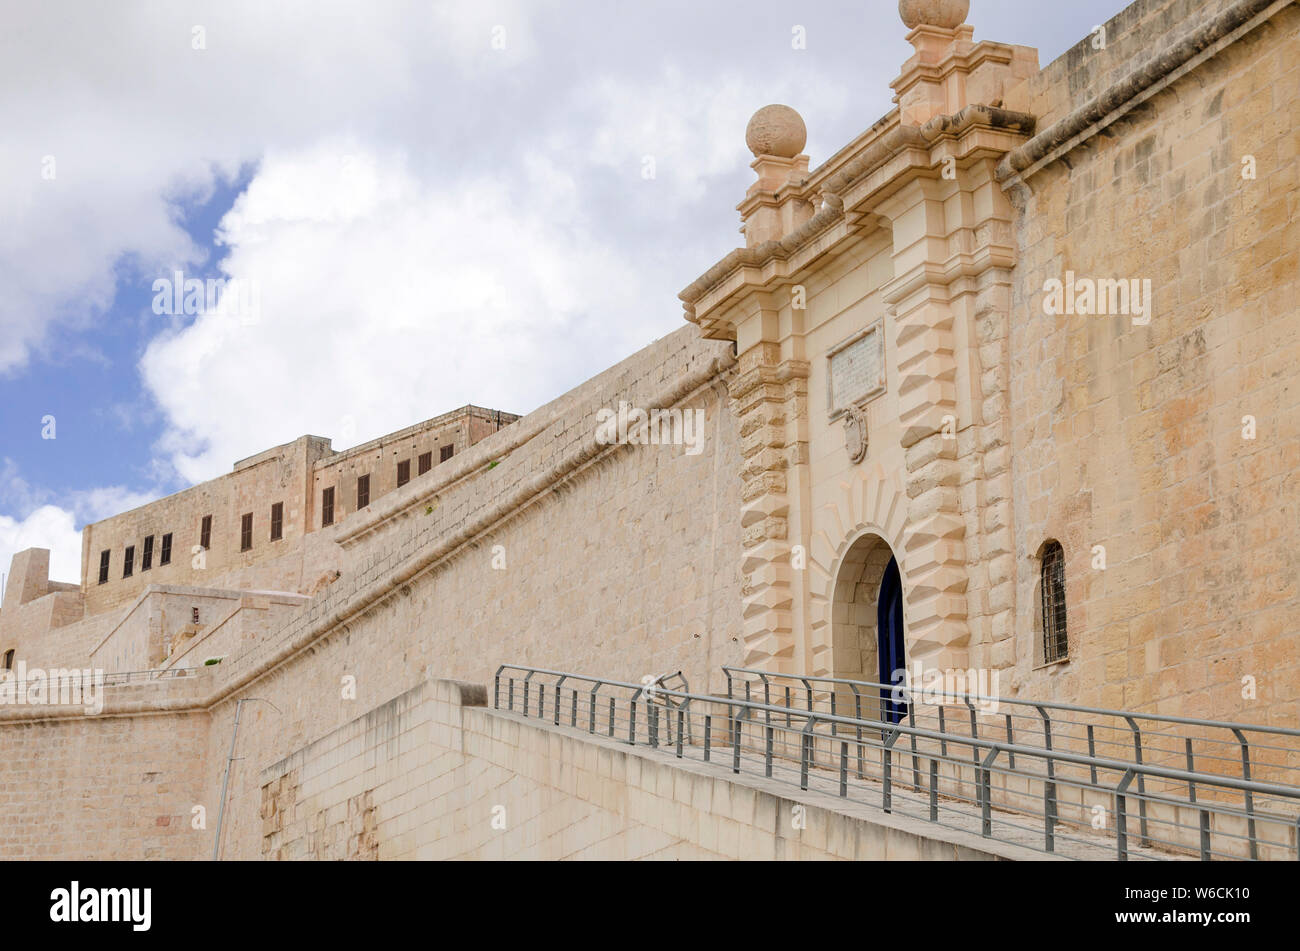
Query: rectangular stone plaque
{"type": "Point", "coordinates": [856, 370]}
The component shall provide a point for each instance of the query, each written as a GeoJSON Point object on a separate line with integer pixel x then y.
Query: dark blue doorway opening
{"type": "Point", "coordinates": [889, 647]}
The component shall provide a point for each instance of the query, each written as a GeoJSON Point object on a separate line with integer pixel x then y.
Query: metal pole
{"type": "Point", "coordinates": [221, 813]}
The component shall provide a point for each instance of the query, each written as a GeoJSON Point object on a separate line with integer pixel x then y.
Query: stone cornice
{"type": "Point", "coordinates": [901, 151]}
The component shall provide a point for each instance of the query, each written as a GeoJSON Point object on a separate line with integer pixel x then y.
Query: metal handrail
{"type": "Point", "coordinates": [1051, 705]}
{"type": "Point", "coordinates": [848, 729]}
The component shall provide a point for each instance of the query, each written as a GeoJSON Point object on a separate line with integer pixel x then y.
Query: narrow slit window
{"type": "Point", "coordinates": [103, 566]}
{"type": "Point", "coordinates": [128, 566]}
{"type": "Point", "coordinates": [277, 521]}
{"type": "Point", "coordinates": [9, 659]}
{"type": "Point", "coordinates": [363, 491]}
{"type": "Point", "coordinates": [205, 533]}
{"type": "Point", "coordinates": [327, 507]}
{"type": "Point", "coordinates": [246, 532]}
{"type": "Point", "coordinates": [165, 556]}
{"type": "Point", "coordinates": [146, 556]}
{"type": "Point", "coordinates": [1055, 639]}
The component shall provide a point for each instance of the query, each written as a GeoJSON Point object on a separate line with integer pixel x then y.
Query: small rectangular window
{"type": "Point", "coordinates": [277, 521]}
{"type": "Point", "coordinates": [146, 556]}
{"type": "Point", "coordinates": [363, 491]}
{"type": "Point", "coordinates": [445, 453]}
{"type": "Point", "coordinates": [426, 462]}
{"type": "Point", "coordinates": [205, 533]}
{"type": "Point", "coordinates": [194, 615]}
{"type": "Point", "coordinates": [165, 556]}
{"type": "Point", "coordinates": [327, 507]}
{"type": "Point", "coordinates": [403, 472]}
{"type": "Point", "coordinates": [9, 659]}
{"type": "Point", "coordinates": [128, 566]}
{"type": "Point", "coordinates": [103, 566]}
{"type": "Point", "coordinates": [246, 531]}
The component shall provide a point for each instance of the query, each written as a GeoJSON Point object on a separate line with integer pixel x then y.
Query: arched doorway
{"type": "Point", "coordinates": [867, 631]}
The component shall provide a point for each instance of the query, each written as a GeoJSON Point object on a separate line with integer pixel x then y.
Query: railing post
{"type": "Point", "coordinates": [496, 689]}
{"type": "Point", "coordinates": [767, 754]}
{"type": "Point", "coordinates": [844, 769]}
{"type": "Point", "coordinates": [681, 714]}
{"type": "Point", "coordinates": [591, 711]}
{"type": "Point", "coordinates": [541, 701]}
{"type": "Point", "coordinates": [652, 722]}
{"type": "Point", "coordinates": [1205, 835]}
{"type": "Point", "coordinates": [527, 680]}
{"type": "Point", "coordinates": [735, 744]}
{"type": "Point", "coordinates": [559, 684]}
{"type": "Point", "coordinates": [510, 693]}
{"type": "Point", "coordinates": [887, 770]}
{"type": "Point", "coordinates": [934, 790]}
{"type": "Point", "coordinates": [1011, 757]}
{"type": "Point", "coordinates": [573, 709]}
{"type": "Point", "coordinates": [857, 715]}
{"type": "Point", "coordinates": [1191, 783]}
{"type": "Point", "coordinates": [1121, 815]}
{"type": "Point", "coordinates": [1142, 782]}
{"type": "Point", "coordinates": [1092, 753]}
{"type": "Point", "coordinates": [805, 746]}
{"type": "Point", "coordinates": [708, 734]}
{"type": "Point", "coordinates": [631, 720]}
{"type": "Point", "coordinates": [986, 791]}
{"type": "Point", "coordinates": [1250, 798]}
{"type": "Point", "coordinates": [612, 714]}
{"type": "Point", "coordinates": [974, 732]}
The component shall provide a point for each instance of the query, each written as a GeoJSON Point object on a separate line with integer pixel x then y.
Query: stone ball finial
{"type": "Point", "coordinates": [948, 14]}
{"type": "Point", "coordinates": [776, 130]}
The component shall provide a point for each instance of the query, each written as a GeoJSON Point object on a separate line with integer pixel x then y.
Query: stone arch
{"type": "Point", "coordinates": [872, 504]}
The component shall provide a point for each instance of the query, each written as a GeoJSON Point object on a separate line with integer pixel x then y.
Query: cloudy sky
{"type": "Point", "coordinates": [428, 203]}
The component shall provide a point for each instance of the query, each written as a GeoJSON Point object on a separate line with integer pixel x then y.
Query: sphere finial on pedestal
{"type": "Point", "coordinates": [947, 14]}
{"type": "Point", "coordinates": [776, 130]}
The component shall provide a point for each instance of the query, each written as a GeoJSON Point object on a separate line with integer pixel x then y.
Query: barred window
{"type": "Point", "coordinates": [403, 472]}
{"type": "Point", "coordinates": [165, 556]}
{"type": "Point", "coordinates": [277, 521]}
{"type": "Point", "coordinates": [327, 507]}
{"type": "Point", "coordinates": [1055, 642]}
{"type": "Point", "coordinates": [246, 532]}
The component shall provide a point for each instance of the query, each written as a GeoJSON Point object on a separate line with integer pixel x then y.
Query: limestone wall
{"type": "Point", "coordinates": [434, 774]}
{"type": "Point", "coordinates": [1136, 438]}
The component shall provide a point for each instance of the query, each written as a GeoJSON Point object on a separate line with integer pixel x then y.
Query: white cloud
{"type": "Point", "coordinates": [57, 527]}
{"type": "Point", "coordinates": [390, 301]}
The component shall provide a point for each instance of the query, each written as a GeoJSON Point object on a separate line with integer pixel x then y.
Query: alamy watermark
{"type": "Point", "coordinates": [1086, 296]}
{"type": "Point", "coordinates": [192, 297]}
{"type": "Point", "coordinates": [631, 425]}
{"type": "Point", "coordinates": [934, 686]}
{"type": "Point", "coordinates": [35, 687]}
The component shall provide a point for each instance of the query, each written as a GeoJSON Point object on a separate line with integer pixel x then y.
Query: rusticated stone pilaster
{"type": "Point", "coordinates": [768, 394]}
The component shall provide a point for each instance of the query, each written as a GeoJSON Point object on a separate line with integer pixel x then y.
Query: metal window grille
{"type": "Point", "coordinates": [1055, 642]}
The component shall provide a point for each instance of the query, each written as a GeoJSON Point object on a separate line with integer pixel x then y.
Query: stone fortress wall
{"type": "Point", "coordinates": [994, 428]}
